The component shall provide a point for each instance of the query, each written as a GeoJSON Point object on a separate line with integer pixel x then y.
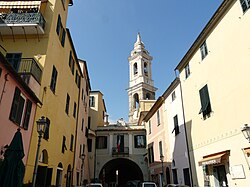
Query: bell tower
{"type": "Point", "coordinates": [141, 85]}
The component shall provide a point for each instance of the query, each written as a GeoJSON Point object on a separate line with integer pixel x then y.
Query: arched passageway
{"type": "Point", "coordinates": [120, 170]}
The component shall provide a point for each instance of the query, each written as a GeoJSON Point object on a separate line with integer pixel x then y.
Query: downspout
{"type": "Point", "coordinates": [184, 120]}
{"type": "Point", "coordinates": [79, 92]}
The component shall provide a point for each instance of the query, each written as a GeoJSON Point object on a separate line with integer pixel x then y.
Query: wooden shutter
{"type": "Point", "coordinates": [46, 133]}
{"type": "Point", "coordinates": [20, 110]}
{"type": "Point", "coordinates": [205, 101]}
{"type": "Point", "coordinates": [58, 26]}
{"type": "Point", "coordinates": [63, 37]}
{"type": "Point", "coordinates": [27, 115]}
{"type": "Point", "coordinates": [14, 107]}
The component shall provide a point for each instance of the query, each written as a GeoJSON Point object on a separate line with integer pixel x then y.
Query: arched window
{"type": "Point", "coordinates": [59, 174]}
{"type": "Point", "coordinates": [135, 68]}
{"type": "Point", "coordinates": [147, 96]}
{"type": "Point", "coordinates": [44, 157]}
{"type": "Point", "coordinates": [136, 101]}
{"type": "Point", "coordinates": [68, 176]}
{"type": "Point", "coordinates": [146, 68]}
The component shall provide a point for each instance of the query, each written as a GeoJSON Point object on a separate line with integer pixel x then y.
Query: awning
{"type": "Point", "coordinates": [247, 150]}
{"type": "Point", "coordinates": [213, 158]}
{"type": "Point", "coordinates": [20, 4]}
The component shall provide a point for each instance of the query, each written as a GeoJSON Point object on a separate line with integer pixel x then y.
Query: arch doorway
{"type": "Point", "coordinates": [120, 170]}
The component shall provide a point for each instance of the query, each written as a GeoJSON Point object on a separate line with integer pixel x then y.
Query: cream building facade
{"type": "Point", "coordinates": [214, 77]}
{"type": "Point", "coordinates": [166, 139]}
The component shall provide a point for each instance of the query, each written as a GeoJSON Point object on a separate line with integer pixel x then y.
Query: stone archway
{"type": "Point", "coordinates": [127, 170]}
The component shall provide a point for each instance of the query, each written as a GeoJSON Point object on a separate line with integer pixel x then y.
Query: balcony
{"type": "Point", "coordinates": [123, 151]}
{"type": "Point", "coordinates": [29, 67]}
{"type": "Point", "coordinates": [22, 23]}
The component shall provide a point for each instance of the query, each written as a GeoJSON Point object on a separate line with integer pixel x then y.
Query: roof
{"type": "Point", "coordinates": [88, 79]}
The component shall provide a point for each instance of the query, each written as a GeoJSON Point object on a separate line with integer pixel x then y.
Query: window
{"type": "Point", "coordinates": [71, 63]}
{"type": "Point", "coordinates": [74, 112]}
{"type": "Point", "coordinates": [89, 122]}
{"type": "Point", "coordinates": [80, 151]}
{"type": "Point", "coordinates": [64, 144]}
{"type": "Point", "coordinates": [140, 141]}
{"type": "Point", "coordinates": [173, 96]}
{"type": "Point", "coordinates": [92, 101]}
{"type": "Point", "coordinates": [145, 68]}
{"type": "Point", "coordinates": [86, 132]}
{"type": "Point", "coordinates": [158, 117]}
{"type": "Point", "coordinates": [63, 3]}
{"type": "Point", "coordinates": [101, 142]}
{"type": "Point", "coordinates": [135, 69]}
{"type": "Point", "coordinates": [151, 154]}
{"type": "Point", "coordinates": [245, 4]}
{"type": "Point", "coordinates": [176, 125]}
{"type": "Point", "coordinates": [149, 127]}
{"type": "Point", "coordinates": [53, 80]}
{"type": "Point", "coordinates": [67, 104]}
{"type": "Point", "coordinates": [14, 59]}
{"type": "Point", "coordinates": [71, 143]}
{"type": "Point", "coordinates": [187, 71]}
{"type": "Point", "coordinates": [160, 148]}
{"type": "Point", "coordinates": [17, 107]}
{"type": "Point", "coordinates": [203, 50]}
{"type": "Point", "coordinates": [63, 37]}
{"type": "Point", "coordinates": [58, 26]}
{"type": "Point", "coordinates": [89, 142]}
{"type": "Point", "coordinates": [82, 124]}
{"type": "Point", "coordinates": [60, 30]}
{"type": "Point", "coordinates": [205, 102]}
{"type": "Point", "coordinates": [46, 133]}
{"type": "Point", "coordinates": [82, 93]}
{"type": "Point", "coordinates": [77, 79]}
{"type": "Point", "coordinates": [27, 114]}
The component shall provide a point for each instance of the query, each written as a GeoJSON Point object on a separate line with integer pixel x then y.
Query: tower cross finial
{"type": "Point", "coordinates": [138, 38]}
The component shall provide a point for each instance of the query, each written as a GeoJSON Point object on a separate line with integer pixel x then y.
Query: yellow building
{"type": "Point", "coordinates": [37, 30]}
{"type": "Point", "coordinates": [214, 76]}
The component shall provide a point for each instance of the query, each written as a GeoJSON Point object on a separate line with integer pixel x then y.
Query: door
{"type": "Point", "coordinates": [186, 176]}
{"type": "Point", "coordinates": [220, 176]}
{"type": "Point", "coordinates": [175, 177]}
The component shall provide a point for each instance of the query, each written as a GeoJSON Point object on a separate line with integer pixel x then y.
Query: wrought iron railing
{"type": "Point", "coordinates": [30, 66]}
{"type": "Point", "coordinates": [124, 151]}
{"type": "Point", "coordinates": [23, 18]}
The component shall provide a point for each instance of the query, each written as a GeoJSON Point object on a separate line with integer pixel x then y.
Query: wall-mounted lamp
{"type": "Point", "coordinates": [246, 132]}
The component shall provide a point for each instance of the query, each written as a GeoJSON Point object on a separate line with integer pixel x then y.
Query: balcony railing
{"type": "Point", "coordinates": [28, 66]}
{"type": "Point", "coordinates": [24, 20]}
{"type": "Point", "coordinates": [122, 151]}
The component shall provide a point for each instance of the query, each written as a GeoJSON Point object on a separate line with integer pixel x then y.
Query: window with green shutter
{"type": "Point", "coordinates": [17, 107]}
{"type": "Point", "coordinates": [27, 115]}
{"type": "Point", "coordinates": [205, 102]}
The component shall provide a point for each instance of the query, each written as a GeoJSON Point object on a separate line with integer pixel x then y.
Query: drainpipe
{"type": "Point", "coordinates": [184, 120]}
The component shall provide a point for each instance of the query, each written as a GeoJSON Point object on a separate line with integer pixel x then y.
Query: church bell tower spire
{"type": "Point", "coordinates": [141, 85]}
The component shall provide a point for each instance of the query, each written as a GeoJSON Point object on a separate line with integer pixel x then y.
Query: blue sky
{"type": "Point", "coordinates": [104, 32]}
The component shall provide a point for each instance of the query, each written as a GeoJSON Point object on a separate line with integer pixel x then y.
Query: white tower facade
{"type": "Point", "coordinates": [141, 85]}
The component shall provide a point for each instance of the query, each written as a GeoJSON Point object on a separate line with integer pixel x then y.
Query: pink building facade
{"type": "Point", "coordinates": [17, 107]}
